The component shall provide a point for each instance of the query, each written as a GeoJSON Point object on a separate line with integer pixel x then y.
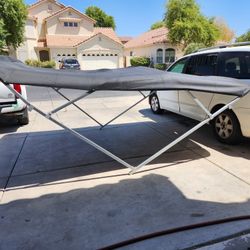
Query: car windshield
{"type": "Point", "coordinates": [71, 61]}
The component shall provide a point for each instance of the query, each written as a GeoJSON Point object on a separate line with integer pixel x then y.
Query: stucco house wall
{"type": "Point", "coordinates": [55, 25]}
{"type": "Point", "coordinates": [42, 11]}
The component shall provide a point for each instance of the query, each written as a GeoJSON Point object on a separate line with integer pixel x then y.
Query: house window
{"type": "Point", "coordinates": [70, 24]}
{"type": "Point", "coordinates": [131, 53]}
{"type": "Point", "coordinates": [50, 7]}
{"type": "Point", "coordinates": [169, 55]}
{"type": "Point", "coordinates": [159, 56]}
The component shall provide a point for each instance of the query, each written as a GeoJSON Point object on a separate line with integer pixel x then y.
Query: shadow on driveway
{"type": "Point", "coordinates": [103, 214]}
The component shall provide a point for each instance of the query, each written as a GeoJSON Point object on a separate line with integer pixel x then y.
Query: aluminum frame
{"type": "Point", "coordinates": [133, 169]}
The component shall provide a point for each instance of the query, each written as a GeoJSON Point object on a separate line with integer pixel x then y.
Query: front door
{"type": "Point", "coordinates": [44, 55]}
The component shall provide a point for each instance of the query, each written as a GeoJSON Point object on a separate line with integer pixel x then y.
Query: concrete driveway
{"type": "Point", "coordinates": [59, 193]}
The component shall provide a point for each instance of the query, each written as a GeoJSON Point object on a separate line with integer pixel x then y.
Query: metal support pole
{"type": "Point", "coordinates": [189, 132]}
{"type": "Point", "coordinates": [151, 158]}
{"type": "Point", "coordinates": [78, 107]}
{"type": "Point", "coordinates": [78, 135]}
{"type": "Point", "coordinates": [200, 104]}
{"type": "Point", "coordinates": [69, 103]}
{"type": "Point", "coordinates": [145, 96]}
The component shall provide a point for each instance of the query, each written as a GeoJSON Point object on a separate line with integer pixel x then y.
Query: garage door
{"type": "Point", "coordinates": [102, 61]}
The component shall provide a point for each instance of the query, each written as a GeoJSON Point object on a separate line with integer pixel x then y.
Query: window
{"type": "Point", "coordinates": [169, 55]}
{"type": "Point", "coordinates": [83, 55]}
{"type": "Point", "coordinates": [179, 66]}
{"type": "Point", "coordinates": [235, 65]}
{"type": "Point", "coordinates": [131, 53]}
{"type": "Point", "coordinates": [70, 24]}
{"type": "Point", "coordinates": [69, 55]}
{"type": "Point", "coordinates": [159, 56]}
{"type": "Point", "coordinates": [247, 60]}
{"type": "Point", "coordinates": [58, 55]}
{"type": "Point", "coordinates": [50, 8]}
{"type": "Point", "coordinates": [203, 65]}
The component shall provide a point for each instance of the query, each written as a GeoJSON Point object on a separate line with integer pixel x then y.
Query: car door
{"type": "Point", "coordinates": [204, 65]}
{"type": "Point", "coordinates": [169, 100]}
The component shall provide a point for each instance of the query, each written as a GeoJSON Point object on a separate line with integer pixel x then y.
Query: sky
{"type": "Point", "coordinates": [133, 17]}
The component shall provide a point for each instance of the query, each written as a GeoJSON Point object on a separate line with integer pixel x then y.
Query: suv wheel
{"type": "Point", "coordinates": [24, 118]}
{"type": "Point", "coordinates": [155, 104]}
{"type": "Point", "coordinates": [226, 128]}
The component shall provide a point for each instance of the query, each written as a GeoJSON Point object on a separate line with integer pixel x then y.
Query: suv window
{"type": "Point", "coordinates": [179, 66]}
{"type": "Point", "coordinates": [235, 64]}
{"type": "Point", "coordinates": [203, 65]}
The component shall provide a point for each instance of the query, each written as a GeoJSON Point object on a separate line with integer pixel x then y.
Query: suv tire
{"type": "Point", "coordinates": [226, 128]}
{"type": "Point", "coordinates": [24, 118]}
{"type": "Point", "coordinates": [155, 104]}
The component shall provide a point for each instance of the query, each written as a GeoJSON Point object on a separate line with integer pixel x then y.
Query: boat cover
{"type": "Point", "coordinates": [132, 78]}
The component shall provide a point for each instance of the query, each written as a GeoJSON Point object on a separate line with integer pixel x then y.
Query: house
{"type": "Point", "coordinates": [153, 44]}
{"type": "Point", "coordinates": [54, 31]}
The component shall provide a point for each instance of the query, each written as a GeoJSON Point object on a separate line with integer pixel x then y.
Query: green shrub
{"type": "Point", "coordinates": [140, 61]}
{"type": "Point", "coordinates": [37, 63]}
{"type": "Point", "coordinates": [160, 66]}
{"type": "Point", "coordinates": [4, 53]}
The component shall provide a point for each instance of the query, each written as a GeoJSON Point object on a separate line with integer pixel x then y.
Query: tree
{"type": "Point", "coordinates": [244, 37]}
{"type": "Point", "coordinates": [193, 47]}
{"type": "Point", "coordinates": [187, 25]}
{"type": "Point", "coordinates": [13, 14]}
{"type": "Point", "coordinates": [102, 19]}
{"type": "Point", "coordinates": [225, 33]}
{"type": "Point", "coordinates": [157, 25]}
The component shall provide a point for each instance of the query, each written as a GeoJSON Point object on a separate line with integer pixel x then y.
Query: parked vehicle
{"type": "Point", "coordinates": [69, 63]}
{"type": "Point", "coordinates": [227, 61]}
{"type": "Point", "coordinates": [10, 106]}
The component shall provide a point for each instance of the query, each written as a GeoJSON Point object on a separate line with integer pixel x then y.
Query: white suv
{"type": "Point", "coordinates": [222, 61]}
{"type": "Point", "coordinates": [11, 106]}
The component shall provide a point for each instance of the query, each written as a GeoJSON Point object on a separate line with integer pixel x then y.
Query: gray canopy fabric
{"type": "Point", "coordinates": [133, 78]}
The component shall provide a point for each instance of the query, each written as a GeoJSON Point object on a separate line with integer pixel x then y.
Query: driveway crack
{"type": "Point", "coordinates": [13, 168]}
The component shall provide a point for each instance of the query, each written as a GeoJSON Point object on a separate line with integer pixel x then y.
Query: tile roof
{"type": "Point", "coordinates": [109, 32]}
{"type": "Point", "coordinates": [148, 38]}
{"type": "Point", "coordinates": [62, 41]}
{"type": "Point", "coordinates": [125, 39]}
{"type": "Point", "coordinates": [75, 40]}
{"type": "Point", "coordinates": [72, 9]}
{"type": "Point", "coordinates": [40, 1]}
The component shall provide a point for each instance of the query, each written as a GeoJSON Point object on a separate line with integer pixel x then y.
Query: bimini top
{"type": "Point", "coordinates": [133, 78]}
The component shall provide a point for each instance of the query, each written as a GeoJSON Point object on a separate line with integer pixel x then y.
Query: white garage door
{"type": "Point", "coordinates": [93, 61]}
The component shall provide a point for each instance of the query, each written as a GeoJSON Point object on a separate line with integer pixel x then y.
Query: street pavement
{"type": "Point", "coordinates": [57, 192]}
